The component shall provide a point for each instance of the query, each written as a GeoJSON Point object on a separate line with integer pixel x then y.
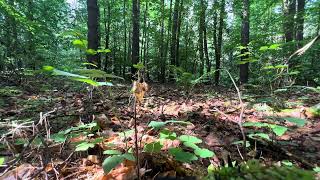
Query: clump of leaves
{"type": "Point", "coordinates": [179, 153]}
{"type": "Point", "coordinates": [256, 171]}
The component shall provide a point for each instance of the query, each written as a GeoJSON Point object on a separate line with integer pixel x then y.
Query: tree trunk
{"type": "Point", "coordinates": [174, 32]}
{"type": "Point", "coordinates": [218, 49]}
{"type": "Point", "coordinates": [289, 7]}
{"type": "Point", "coordinates": [30, 37]}
{"type": "Point", "coordinates": [300, 20]}
{"type": "Point", "coordinates": [177, 61]}
{"type": "Point", "coordinates": [162, 63]}
{"type": "Point", "coordinates": [93, 31]}
{"type": "Point", "coordinates": [107, 24]}
{"type": "Point", "coordinates": [125, 39]}
{"type": "Point", "coordinates": [201, 27]}
{"type": "Point", "coordinates": [135, 34]}
{"type": "Point", "coordinates": [245, 30]}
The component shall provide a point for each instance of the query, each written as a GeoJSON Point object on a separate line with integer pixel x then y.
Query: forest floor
{"type": "Point", "coordinates": [32, 113]}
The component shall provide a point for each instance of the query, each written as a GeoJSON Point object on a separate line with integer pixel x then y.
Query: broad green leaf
{"type": "Point", "coordinates": [84, 146]}
{"type": "Point", "coordinates": [111, 162]}
{"type": "Point", "coordinates": [173, 151]}
{"type": "Point", "coordinates": [2, 160]}
{"type": "Point", "coordinates": [88, 81]}
{"type": "Point", "coordinates": [264, 48]}
{"type": "Point", "coordinates": [167, 134]}
{"type": "Point", "coordinates": [316, 169]}
{"type": "Point", "coordinates": [298, 121]}
{"type": "Point", "coordinates": [204, 153]}
{"type": "Point", "coordinates": [190, 139]}
{"type": "Point", "coordinates": [281, 66]}
{"type": "Point", "coordinates": [81, 44]}
{"type": "Point", "coordinates": [274, 46]}
{"type": "Point", "coordinates": [129, 156]}
{"type": "Point", "coordinates": [279, 130]}
{"type": "Point", "coordinates": [91, 51]}
{"type": "Point", "coordinates": [255, 124]}
{"type": "Point", "coordinates": [138, 66]}
{"type": "Point", "coordinates": [48, 68]}
{"type": "Point", "coordinates": [97, 140]}
{"type": "Point", "coordinates": [104, 50]}
{"type": "Point", "coordinates": [262, 135]}
{"type": "Point", "coordinates": [190, 145]}
{"type": "Point", "coordinates": [58, 137]}
{"type": "Point", "coordinates": [185, 157]}
{"type": "Point", "coordinates": [112, 152]}
{"type": "Point", "coordinates": [154, 147]}
{"type": "Point", "coordinates": [126, 133]}
{"type": "Point", "coordinates": [156, 125]}
{"type": "Point", "coordinates": [287, 163]}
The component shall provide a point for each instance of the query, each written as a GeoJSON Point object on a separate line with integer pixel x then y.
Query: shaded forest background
{"type": "Point", "coordinates": [183, 39]}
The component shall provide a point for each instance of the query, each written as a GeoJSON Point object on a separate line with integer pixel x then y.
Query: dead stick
{"type": "Point", "coordinates": [136, 137]}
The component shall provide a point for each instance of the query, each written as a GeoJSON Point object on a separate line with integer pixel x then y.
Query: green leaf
{"type": "Point", "coordinates": [91, 64]}
{"type": "Point", "coordinates": [156, 125]}
{"type": "Point", "coordinates": [287, 163]}
{"type": "Point", "coordinates": [81, 44]}
{"type": "Point", "coordinates": [111, 162]}
{"type": "Point", "coordinates": [2, 160]}
{"type": "Point", "coordinates": [48, 68]}
{"type": "Point", "coordinates": [190, 139]}
{"type": "Point", "coordinates": [182, 156]}
{"type": "Point", "coordinates": [204, 153]}
{"type": "Point", "coordinates": [316, 169]}
{"type": "Point", "coordinates": [167, 134]}
{"type": "Point", "coordinates": [138, 66]}
{"type": "Point", "coordinates": [190, 145]}
{"type": "Point", "coordinates": [84, 146]}
{"type": "Point", "coordinates": [263, 48]}
{"type": "Point", "coordinates": [58, 137]}
{"type": "Point", "coordinates": [154, 147]}
{"type": "Point", "coordinates": [91, 51]}
{"type": "Point", "coordinates": [255, 124]}
{"type": "Point", "coordinates": [86, 80]}
{"type": "Point", "coordinates": [298, 121]}
{"type": "Point", "coordinates": [126, 133]}
{"type": "Point", "coordinates": [275, 46]}
{"type": "Point", "coordinates": [112, 152]}
{"type": "Point", "coordinates": [104, 50]}
{"type": "Point", "coordinates": [262, 135]}
{"type": "Point", "coordinates": [129, 156]}
{"type": "Point", "coordinates": [279, 130]}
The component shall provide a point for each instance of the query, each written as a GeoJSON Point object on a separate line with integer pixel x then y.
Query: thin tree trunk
{"type": "Point", "coordinates": [125, 39]}
{"type": "Point", "coordinates": [201, 27]}
{"type": "Point", "coordinates": [174, 33]}
{"type": "Point", "coordinates": [177, 61]}
{"type": "Point", "coordinates": [162, 63]}
{"type": "Point", "coordinates": [218, 49]}
{"type": "Point", "coordinates": [245, 30]}
{"type": "Point", "coordinates": [289, 7]}
{"type": "Point", "coordinates": [107, 24]}
{"type": "Point", "coordinates": [135, 34]}
{"type": "Point", "coordinates": [300, 20]}
{"type": "Point", "coordinates": [93, 31]}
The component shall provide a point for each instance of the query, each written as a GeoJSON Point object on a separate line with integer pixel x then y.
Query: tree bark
{"type": "Point", "coordinates": [135, 34]}
{"type": "Point", "coordinates": [162, 63]}
{"type": "Point", "coordinates": [107, 24]}
{"type": "Point", "coordinates": [289, 7]}
{"type": "Point", "coordinates": [200, 41]}
{"type": "Point", "coordinates": [93, 31]}
{"type": "Point", "coordinates": [173, 53]}
{"type": "Point", "coordinates": [245, 30]}
{"type": "Point", "coordinates": [218, 48]}
{"type": "Point", "coordinates": [300, 20]}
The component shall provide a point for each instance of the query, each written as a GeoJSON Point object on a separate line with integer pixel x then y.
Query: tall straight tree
{"type": "Point", "coordinates": [162, 63]}
{"type": "Point", "coordinates": [107, 24]}
{"type": "Point", "coordinates": [135, 34]}
{"type": "Point", "coordinates": [289, 7]}
{"type": "Point", "coordinates": [93, 31]}
{"type": "Point", "coordinates": [201, 30]}
{"type": "Point", "coordinates": [174, 32]}
{"type": "Point", "coordinates": [245, 32]}
{"type": "Point", "coordinates": [218, 41]}
{"type": "Point", "coordinates": [300, 19]}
